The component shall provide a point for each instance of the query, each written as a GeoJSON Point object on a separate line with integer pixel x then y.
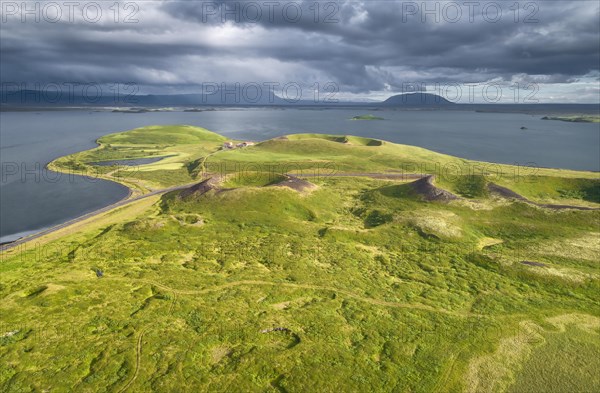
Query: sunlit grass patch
{"type": "Point", "coordinates": [568, 360]}
{"type": "Point", "coordinates": [344, 288]}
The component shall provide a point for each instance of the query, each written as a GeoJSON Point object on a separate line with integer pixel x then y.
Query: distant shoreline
{"type": "Point", "coordinates": [531, 109]}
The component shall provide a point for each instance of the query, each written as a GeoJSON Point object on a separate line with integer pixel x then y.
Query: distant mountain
{"type": "Point", "coordinates": [32, 99]}
{"type": "Point", "coordinates": [416, 100]}
{"type": "Point", "coordinates": [42, 98]}
{"type": "Point", "coordinates": [217, 98]}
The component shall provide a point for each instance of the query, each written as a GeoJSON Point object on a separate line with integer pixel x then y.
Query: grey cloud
{"type": "Point", "coordinates": [370, 48]}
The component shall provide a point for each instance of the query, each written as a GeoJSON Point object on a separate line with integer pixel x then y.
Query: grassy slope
{"type": "Point", "coordinates": [380, 291]}
{"type": "Point", "coordinates": [323, 154]}
{"type": "Point", "coordinates": [565, 362]}
{"type": "Point", "coordinates": [180, 145]}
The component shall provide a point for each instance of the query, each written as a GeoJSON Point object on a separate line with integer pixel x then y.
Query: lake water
{"type": "Point", "coordinates": [32, 198]}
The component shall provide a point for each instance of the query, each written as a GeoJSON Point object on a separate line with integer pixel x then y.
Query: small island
{"type": "Point", "coordinates": [575, 119]}
{"type": "Point", "coordinates": [367, 117]}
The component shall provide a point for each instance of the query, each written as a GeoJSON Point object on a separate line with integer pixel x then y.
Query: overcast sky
{"type": "Point", "coordinates": [363, 49]}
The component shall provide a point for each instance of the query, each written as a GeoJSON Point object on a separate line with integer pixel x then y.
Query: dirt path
{"type": "Point", "coordinates": [122, 202]}
{"type": "Point", "coordinates": [126, 200]}
{"type": "Point", "coordinates": [374, 175]}
{"type": "Point", "coordinates": [510, 194]}
{"type": "Point", "coordinates": [138, 355]}
{"type": "Point", "coordinates": [289, 285]}
{"type": "Point", "coordinates": [345, 292]}
{"type": "Point", "coordinates": [441, 383]}
{"type": "Point", "coordinates": [173, 302]}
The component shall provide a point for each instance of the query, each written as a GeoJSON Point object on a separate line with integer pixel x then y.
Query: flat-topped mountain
{"type": "Point", "coordinates": [416, 100]}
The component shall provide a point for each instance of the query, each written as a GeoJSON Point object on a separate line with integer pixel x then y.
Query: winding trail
{"type": "Point", "coordinates": [507, 193]}
{"type": "Point", "coordinates": [125, 201]}
{"type": "Point", "coordinates": [172, 306]}
{"type": "Point", "coordinates": [344, 292]}
{"type": "Point", "coordinates": [105, 209]}
{"type": "Point", "coordinates": [373, 175]}
{"type": "Point", "coordinates": [440, 383]}
{"type": "Point", "coordinates": [234, 284]}
{"type": "Point", "coordinates": [138, 355]}
{"type": "Point", "coordinates": [443, 379]}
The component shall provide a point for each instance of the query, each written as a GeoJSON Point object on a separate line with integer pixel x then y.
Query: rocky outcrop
{"type": "Point", "coordinates": [295, 183]}
{"type": "Point", "coordinates": [504, 192]}
{"type": "Point", "coordinates": [425, 188]}
{"type": "Point", "coordinates": [201, 188]}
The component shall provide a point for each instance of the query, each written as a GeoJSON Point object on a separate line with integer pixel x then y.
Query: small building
{"type": "Point", "coordinates": [228, 145]}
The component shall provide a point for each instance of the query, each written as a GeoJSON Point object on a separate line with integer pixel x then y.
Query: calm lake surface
{"type": "Point", "coordinates": [32, 198]}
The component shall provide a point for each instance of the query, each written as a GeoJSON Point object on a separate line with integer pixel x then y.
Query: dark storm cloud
{"type": "Point", "coordinates": [361, 46]}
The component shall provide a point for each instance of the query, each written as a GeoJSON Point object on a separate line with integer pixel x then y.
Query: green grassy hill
{"type": "Point", "coordinates": [358, 284]}
{"type": "Point", "coordinates": [367, 117]}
